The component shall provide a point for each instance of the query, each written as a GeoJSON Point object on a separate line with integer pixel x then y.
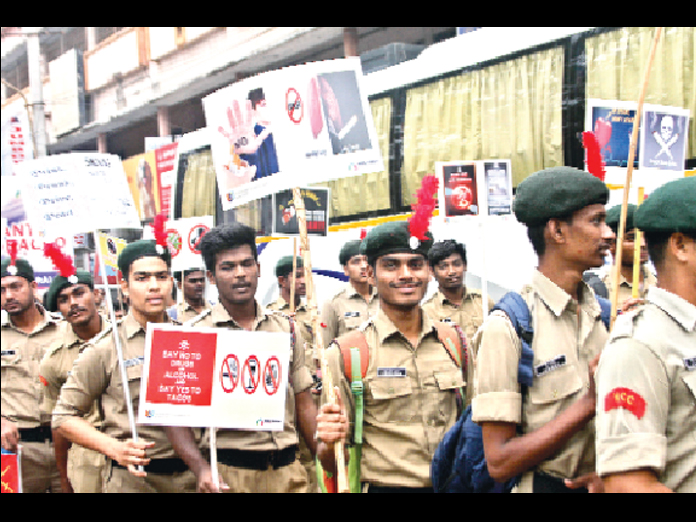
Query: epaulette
{"type": "Point", "coordinates": [625, 323]}
{"type": "Point", "coordinates": [198, 318]}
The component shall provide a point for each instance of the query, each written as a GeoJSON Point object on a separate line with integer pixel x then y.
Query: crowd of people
{"type": "Point", "coordinates": [607, 410]}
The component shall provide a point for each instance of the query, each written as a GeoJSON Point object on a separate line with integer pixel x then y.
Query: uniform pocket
{"type": "Point", "coordinates": [389, 399]}
{"type": "Point", "coordinates": [554, 380]}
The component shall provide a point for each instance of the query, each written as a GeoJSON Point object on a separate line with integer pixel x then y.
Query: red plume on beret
{"type": "Point", "coordinates": [363, 233]}
{"type": "Point", "coordinates": [159, 226]}
{"type": "Point", "coordinates": [12, 250]}
{"type": "Point", "coordinates": [595, 162]}
{"type": "Point", "coordinates": [63, 263]}
{"type": "Point", "coordinates": [419, 222]}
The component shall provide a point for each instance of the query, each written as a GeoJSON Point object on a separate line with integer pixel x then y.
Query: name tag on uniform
{"type": "Point", "coordinates": [549, 366]}
{"type": "Point", "coordinates": [391, 372]}
{"type": "Point", "coordinates": [134, 362]}
{"type": "Point", "coordinates": [690, 364]}
{"type": "Point", "coordinates": [9, 352]}
{"type": "Point", "coordinates": [352, 314]}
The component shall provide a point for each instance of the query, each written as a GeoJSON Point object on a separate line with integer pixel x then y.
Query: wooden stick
{"type": "Point", "coordinates": [327, 383]}
{"type": "Point", "coordinates": [292, 279]}
{"type": "Point", "coordinates": [636, 252]}
{"type": "Point", "coordinates": [629, 174]}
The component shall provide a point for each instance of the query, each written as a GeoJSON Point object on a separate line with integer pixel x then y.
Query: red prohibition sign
{"type": "Point", "coordinates": [229, 373]}
{"type": "Point", "coordinates": [271, 375]}
{"type": "Point", "coordinates": [194, 237]}
{"type": "Point", "coordinates": [294, 105]}
{"type": "Point", "coordinates": [251, 374]}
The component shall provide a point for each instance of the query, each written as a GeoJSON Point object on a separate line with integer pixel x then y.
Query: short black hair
{"type": "Point", "coordinates": [535, 233]}
{"type": "Point", "coordinates": [187, 272]}
{"type": "Point", "coordinates": [226, 237]}
{"type": "Point", "coordinates": [657, 243]}
{"type": "Point", "coordinates": [443, 249]}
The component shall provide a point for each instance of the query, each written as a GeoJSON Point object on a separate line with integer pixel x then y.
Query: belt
{"type": "Point", "coordinates": [160, 466]}
{"type": "Point", "coordinates": [38, 434]}
{"type": "Point", "coordinates": [257, 460]}
{"type": "Point", "coordinates": [545, 483]}
{"type": "Point", "coordinates": [372, 488]}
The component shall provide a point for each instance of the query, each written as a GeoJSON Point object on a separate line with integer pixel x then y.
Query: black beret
{"type": "Point", "coordinates": [22, 268]}
{"type": "Point", "coordinates": [350, 249]}
{"type": "Point", "coordinates": [391, 238]}
{"type": "Point", "coordinates": [284, 265]}
{"type": "Point", "coordinates": [557, 192]}
{"type": "Point", "coordinates": [670, 208]}
{"type": "Point", "coordinates": [614, 217]}
{"type": "Point", "coordinates": [59, 283]}
{"type": "Point", "coordinates": [138, 249]}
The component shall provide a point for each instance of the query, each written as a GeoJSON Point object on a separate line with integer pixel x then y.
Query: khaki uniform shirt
{"type": "Point", "coordinates": [96, 375]}
{"type": "Point", "coordinates": [626, 286]}
{"type": "Point", "coordinates": [646, 393]}
{"type": "Point", "coordinates": [58, 362]}
{"type": "Point", "coordinates": [468, 314]}
{"type": "Point", "coordinates": [566, 339]}
{"type": "Point", "coordinates": [22, 390]}
{"type": "Point", "coordinates": [409, 401]}
{"type": "Point", "coordinates": [303, 321]}
{"type": "Point", "coordinates": [186, 312]}
{"type": "Point", "coordinates": [346, 311]}
{"type": "Point", "coordinates": [300, 380]}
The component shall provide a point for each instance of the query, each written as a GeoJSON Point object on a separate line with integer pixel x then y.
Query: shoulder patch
{"type": "Point", "coordinates": [625, 323]}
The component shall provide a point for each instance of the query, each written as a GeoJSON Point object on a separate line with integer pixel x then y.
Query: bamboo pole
{"type": "Point", "coordinates": [636, 253]}
{"type": "Point", "coordinates": [629, 174]}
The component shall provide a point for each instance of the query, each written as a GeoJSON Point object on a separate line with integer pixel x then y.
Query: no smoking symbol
{"type": "Point", "coordinates": [271, 376]}
{"type": "Point", "coordinates": [229, 374]}
{"type": "Point", "coordinates": [294, 105]}
{"type": "Point", "coordinates": [251, 374]}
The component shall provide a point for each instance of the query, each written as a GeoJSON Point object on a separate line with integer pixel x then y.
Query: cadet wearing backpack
{"type": "Point", "coordinates": [412, 382]}
{"type": "Point", "coordinates": [563, 209]}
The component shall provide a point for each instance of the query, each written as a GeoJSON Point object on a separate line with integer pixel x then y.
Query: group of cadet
{"type": "Point", "coordinates": [624, 421]}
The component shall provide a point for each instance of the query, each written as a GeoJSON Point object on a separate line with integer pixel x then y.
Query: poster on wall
{"type": "Point", "coordinates": [612, 123]}
{"type": "Point", "coordinates": [458, 188]}
{"type": "Point", "coordinates": [498, 176]}
{"type": "Point", "coordinates": [144, 183]}
{"type": "Point", "coordinates": [316, 201]}
{"type": "Point", "coordinates": [664, 137]}
{"type": "Point", "coordinates": [291, 127]}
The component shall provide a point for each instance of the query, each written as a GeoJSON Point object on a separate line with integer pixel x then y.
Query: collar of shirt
{"type": "Point", "coordinates": [443, 300]}
{"type": "Point", "coordinates": [351, 292]}
{"type": "Point", "coordinates": [677, 308]}
{"type": "Point", "coordinates": [386, 328]}
{"type": "Point", "coordinates": [48, 319]}
{"type": "Point", "coordinates": [283, 304]}
{"type": "Point", "coordinates": [221, 317]}
{"type": "Point", "coordinates": [557, 299]}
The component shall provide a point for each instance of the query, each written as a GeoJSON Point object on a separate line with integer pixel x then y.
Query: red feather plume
{"type": "Point", "coordinates": [595, 162]}
{"type": "Point", "coordinates": [63, 263]}
{"type": "Point", "coordinates": [363, 233]}
{"type": "Point", "coordinates": [159, 227]}
{"type": "Point", "coordinates": [419, 222]}
{"type": "Point", "coordinates": [12, 246]}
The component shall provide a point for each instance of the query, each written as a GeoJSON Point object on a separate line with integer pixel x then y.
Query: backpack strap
{"type": "Point", "coordinates": [454, 341]}
{"type": "Point", "coordinates": [515, 307]}
{"type": "Point", "coordinates": [356, 357]}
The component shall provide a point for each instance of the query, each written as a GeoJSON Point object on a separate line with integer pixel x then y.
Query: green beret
{"type": "Point", "coordinates": [59, 283]}
{"type": "Point", "coordinates": [284, 265]}
{"type": "Point", "coordinates": [557, 192]}
{"type": "Point", "coordinates": [22, 267]}
{"type": "Point", "coordinates": [391, 238]}
{"type": "Point", "coordinates": [614, 217]}
{"type": "Point", "coordinates": [138, 249]}
{"type": "Point", "coordinates": [671, 208]}
{"type": "Point", "coordinates": [350, 249]}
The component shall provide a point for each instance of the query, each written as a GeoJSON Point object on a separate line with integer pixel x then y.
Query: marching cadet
{"type": "Point", "coordinates": [410, 385]}
{"type": "Point", "coordinates": [646, 378]}
{"type": "Point", "coordinates": [96, 376]}
{"type": "Point", "coordinates": [193, 288]}
{"type": "Point", "coordinates": [454, 302]}
{"type": "Point", "coordinates": [546, 432]}
{"type": "Point", "coordinates": [645, 277]}
{"type": "Point", "coordinates": [250, 461]}
{"type": "Point", "coordinates": [355, 303]}
{"type": "Point", "coordinates": [80, 468]}
{"type": "Point", "coordinates": [303, 322]}
{"type": "Point", "coordinates": [27, 332]}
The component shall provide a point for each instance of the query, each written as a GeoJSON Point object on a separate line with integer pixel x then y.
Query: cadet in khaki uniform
{"type": "Point", "coordinates": [303, 322]}
{"type": "Point", "coordinates": [193, 288]}
{"type": "Point", "coordinates": [411, 381]}
{"type": "Point", "coordinates": [250, 461]}
{"type": "Point", "coordinates": [646, 379]}
{"type": "Point", "coordinates": [646, 278]}
{"type": "Point", "coordinates": [454, 302]}
{"type": "Point", "coordinates": [563, 209]}
{"type": "Point", "coordinates": [27, 332]}
{"type": "Point", "coordinates": [356, 303]}
{"type": "Point", "coordinates": [80, 468]}
{"type": "Point", "coordinates": [97, 376]}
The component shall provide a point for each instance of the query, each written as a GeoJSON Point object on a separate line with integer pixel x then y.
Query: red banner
{"type": "Point", "coordinates": [10, 473]}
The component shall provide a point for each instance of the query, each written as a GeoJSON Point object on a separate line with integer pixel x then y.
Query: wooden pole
{"type": "Point", "coordinates": [292, 279]}
{"type": "Point", "coordinates": [636, 253]}
{"type": "Point", "coordinates": [629, 174]}
{"type": "Point", "coordinates": [327, 382]}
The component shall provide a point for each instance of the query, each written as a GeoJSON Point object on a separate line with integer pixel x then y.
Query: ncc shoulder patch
{"type": "Point", "coordinates": [626, 399]}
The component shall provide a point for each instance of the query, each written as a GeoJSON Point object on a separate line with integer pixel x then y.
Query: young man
{"type": "Point", "coordinates": [410, 386]}
{"type": "Point", "coordinates": [646, 379]}
{"type": "Point", "coordinates": [250, 461]}
{"type": "Point", "coordinates": [80, 468]}
{"type": "Point", "coordinates": [355, 303]}
{"type": "Point", "coordinates": [97, 376]}
{"type": "Point", "coordinates": [27, 332]}
{"type": "Point", "coordinates": [546, 432]}
{"type": "Point", "coordinates": [193, 287]}
{"type": "Point", "coordinates": [454, 302]}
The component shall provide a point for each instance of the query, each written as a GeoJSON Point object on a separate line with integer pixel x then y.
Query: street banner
{"type": "Point", "coordinates": [202, 377]}
{"type": "Point", "coordinates": [291, 127]}
{"type": "Point", "coordinates": [12, 471]}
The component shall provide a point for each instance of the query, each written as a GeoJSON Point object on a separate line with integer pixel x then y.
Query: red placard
{"type": "Point", "coordinates": [10, 473]}
{"type": "Point", "coordinates": [181, 368]}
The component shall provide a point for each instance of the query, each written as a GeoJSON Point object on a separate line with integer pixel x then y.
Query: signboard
{"type": "Point", "coordinates": [11, 471]}
{"type": "Point", "coordinates": [184, 237]}
{"type": "Point", "coordinates": [203, 377]}
{"type": "Point", "coordinates": [316, 202]}
{"type": "Point", "coordinates": [291, 127]}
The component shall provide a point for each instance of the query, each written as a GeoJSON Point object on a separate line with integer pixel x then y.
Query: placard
{"type": "Point", "coordinates": [316, 202]}
{"type": "Point", "coordinates": [202, 377]}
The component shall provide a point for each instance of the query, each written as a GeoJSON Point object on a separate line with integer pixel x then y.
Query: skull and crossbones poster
{"type": "Point", "coordinates": [664, 138]}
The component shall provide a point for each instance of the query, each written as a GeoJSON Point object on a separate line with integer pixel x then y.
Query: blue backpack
{"type": "Point", "coordinates": [459, 463]}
